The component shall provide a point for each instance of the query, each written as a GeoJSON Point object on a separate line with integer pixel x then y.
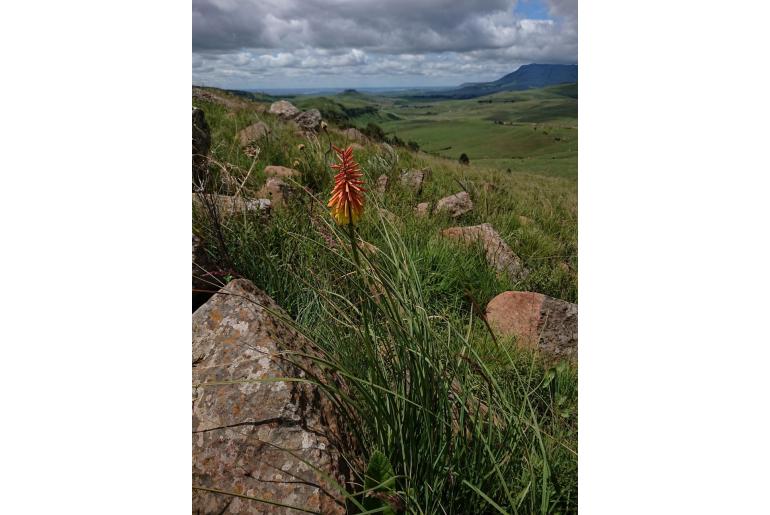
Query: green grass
{"type": "Point", "coordinates": [418, 361]}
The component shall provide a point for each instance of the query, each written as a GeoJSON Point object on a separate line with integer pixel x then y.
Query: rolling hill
{"type": "Point", "coordinates": [526, 77]}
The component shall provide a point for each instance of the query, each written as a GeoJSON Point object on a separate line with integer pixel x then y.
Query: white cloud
{"type": "Point", "coordinates": [272, 42]}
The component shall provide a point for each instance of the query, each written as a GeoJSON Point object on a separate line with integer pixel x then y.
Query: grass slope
{"type": "Point", "coordinates": [519, 453]}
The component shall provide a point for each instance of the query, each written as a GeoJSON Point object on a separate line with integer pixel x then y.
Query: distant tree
{"type": "Point", "coordinates": [464, 159]}
{"type": "Point", "coordinates": [395, 140]}
{"type": "Point", "coordinates": [413, 146]}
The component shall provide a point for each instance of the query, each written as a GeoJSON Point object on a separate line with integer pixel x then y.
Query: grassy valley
{"type": "Point", "coordinates": [533, 131]}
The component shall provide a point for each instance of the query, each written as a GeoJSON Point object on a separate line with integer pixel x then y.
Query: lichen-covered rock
{"type": "Point", "coordinates": [537, 321]}
{"type": "Point", "coordinates": [455, 205]}
{"type": "Point", "coordinates": [284, 109]}
{"type": "Point", "coordinates": [497, 253]}
{"type": "Point", "coordinates": [281, 171]}
{"type": "Point", "coordinates": [254, 436]}
{"type": "Point", "coordinates": [228, 205]}
{"type": "Point", "coordinates": [413, 179]}
{"type": "Point", "coordinates": [277, 191]}
{"type": "Point", "coordinates": [309, 120]}
{"type": "Point", "coordinates": [422, 210]}
{"type": "Point", "coordinates": [201, 143]}
{"type": "Point", "coordinates": [254, 132]}
{"type": "Point", "coordinates": [382, 184]}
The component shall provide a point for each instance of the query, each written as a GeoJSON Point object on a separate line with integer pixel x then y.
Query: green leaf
{"type": "Point", "coordinates": [379, 473]}
{"type": "Point", "coordinates": [379, 479]}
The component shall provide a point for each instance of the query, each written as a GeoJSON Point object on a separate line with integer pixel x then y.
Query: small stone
{"type": "Point", "coordinates": [228, 205]}
{"type": "Point", "coordinates": [455, 205]}
{"type": "Point", "coordinates": [252, 133]}
{"type": "Point", "coordinates": [284, 109]}
{"type": "Point", "coordinates": [413, 179]}
{"type": "Point", "coordinates": [537, 321]}
{"type": "Point", "coordinates": [277, 191]}
{"type": "Point", "coordinates": [422, 210]}
{"type": "Point", "coordinates": [497, 253]}
{"type": "Point", "coordinates": [309, 121]}
{"type": "Point", "coordinates": [281, 171]}
{"type": "Point", "coordinates": [382, 184]}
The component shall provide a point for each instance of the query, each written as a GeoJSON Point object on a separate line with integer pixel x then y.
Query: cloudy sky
{"type": "Point", "coordinates": [252, 44]}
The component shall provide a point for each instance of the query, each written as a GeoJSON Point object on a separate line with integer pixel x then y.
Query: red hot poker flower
{"type": "Point", "coordinates": [347, 201]}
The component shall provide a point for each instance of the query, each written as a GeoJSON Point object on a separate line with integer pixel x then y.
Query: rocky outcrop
{"type": "Point", "coordinates": [228, 205]}
{"type": "Point", "coordinates": [281, 171]}
{"type": "Point", "coordinates": [252, 133]}
{"type": "Point", "coordinates": [497, 253]}
{"type": "Point", "coordinates": [537, 321]}
{"type": "Point", "coordinates": [284, 109]}
{"type": "Point", "coordinates": [422, 210]}
{"type": "Point", "coordinates": [455, 205]}
{"type": "Point", "coordinates": [201, 143]}
{"type": "Point", "coordinates": [278, 441]}
{"type": "Point", "coordinates": [382, 184]}
{"type": "Point", "coordinates": [413, 179]}
{"type": "Point", "coordinates": [309, 121]}
{"type": "Point", "coordinates": [277, 191]}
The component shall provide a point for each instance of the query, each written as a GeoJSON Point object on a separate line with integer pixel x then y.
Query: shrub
{"type": "Point", "coordinates": [464, 159]}
{"type": "Point", "coordinates": [374, 131]}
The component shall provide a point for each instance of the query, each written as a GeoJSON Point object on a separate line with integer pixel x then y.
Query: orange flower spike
{"type": "Point", "coordinates": [347, 201]}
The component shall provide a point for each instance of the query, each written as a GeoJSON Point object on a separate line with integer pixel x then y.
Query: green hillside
{"type": "Point", "coordinates": [468, 423]}
{"type": "Point", "coordinates": [533, 131]}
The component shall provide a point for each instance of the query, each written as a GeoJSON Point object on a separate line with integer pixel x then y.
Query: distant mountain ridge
{"type": "Point", "coordinates": [526, 77]}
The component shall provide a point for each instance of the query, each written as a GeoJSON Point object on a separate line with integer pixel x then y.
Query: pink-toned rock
{"type": "Point", "coordinates": [252, 133]}
{"type": "Point", "coordinates": [281, 171]}
{"type": "Point", "coordinates": [497, 253]}
{"type": "Point", "coordinates": [536, 321]}
{"type": "Point", "coordinates": [422, 210]}
{"type": "Point", "coordinates": [257, 437]}
{"type": "Point", "coordinates": [455, 205]}
{"type": "Point", "coordinates": [382, 184]}
{"type": "Point", "coordinates": [277, 191]}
